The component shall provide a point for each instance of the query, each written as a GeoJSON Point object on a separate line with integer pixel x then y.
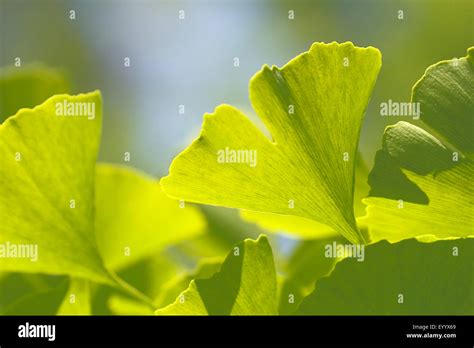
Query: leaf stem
{"type": "Point", "coordinates": [121, 284]}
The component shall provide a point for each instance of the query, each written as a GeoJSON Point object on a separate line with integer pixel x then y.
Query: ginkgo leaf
{"type": "Point", "coordinates": [245, 285]}
{"type": "Point", "coordinates": [448, 212]}
{"type": "Point", "coordinates": [313, 107]}
{"type": "Point", "coordinates": [446, 96]}
{"type": "Point", "coordinates": [406, 278]}
{"type": "Point", "coordinates": [28, 86]}
{"type": "Point", "coordinates": [77, 300]}
{"type": "Point", "coordinates": [421, 180]}
{"type": "Point", "coordinates": [47, 178]}
{"type": "Point", "coordinates": [167, 273]}
{"type": "Point", "coordinates": [205, 269]}
{"type": "Point", "coordinates": [305, 228]}
{"type": "Point", "coordinates": [135, 219]}
{"type": "Point", "coordinates": [307, 264]}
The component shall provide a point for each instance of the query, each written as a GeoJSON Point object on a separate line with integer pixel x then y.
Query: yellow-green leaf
{"type": "Point", "coordinates": [295, 226]}
{"type": "Point", "coordinates": [245, 285]}
{"type": "Point", "coordinates": [47, 174]}
{"type": "Point", "coordinates": [313, 108]}
{"type": "Point", "coordinates": [135, 219]}
{"type": "Point", "coordinates": [77, 300]}
{"type": "Point", "coordinates": [421, 183]}
{"type": "Point", "coordinates": [205, 269]}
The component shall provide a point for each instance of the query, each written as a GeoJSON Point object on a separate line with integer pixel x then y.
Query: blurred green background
{"type": "Point", "coordinates": [190, 62]}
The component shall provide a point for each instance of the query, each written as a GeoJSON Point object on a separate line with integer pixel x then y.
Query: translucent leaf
{"type": "Point", "coordinates": [313, 107]}
{"type": "Point", "coordinates": [135, 220]}
{"type": "Point", "coordinates": [421, 181]}
{"type": "Point", "coordinates": [205, 269]}
{"type": "Point", "coordinates": [245, 285]}
{"type": "Point", "coordinates": [295, 226]}
{"type": "Point", "coordinates": [47, 188]}
{"type": "Point", "coordinates": [307, 264]}
{"type": "Point", "coordinates": [449, 212]}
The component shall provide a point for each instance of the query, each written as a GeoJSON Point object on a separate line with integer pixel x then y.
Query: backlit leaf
{"type": "Point", "coordinates": [47, 188]}
{"type": "Point", "coordinates": [306, 228]}
{"type": "Point", "coordinates": [134, 219]}
{"type": "Point", "coordinates": [245, 285]}
{"type": "Point", "coordinates": [313, 107]}
{"type": "Point", "coordinates": [421, 183]}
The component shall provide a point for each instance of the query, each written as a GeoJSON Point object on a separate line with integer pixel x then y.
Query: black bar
{"type": "Point", "coordinates": [290, 330]}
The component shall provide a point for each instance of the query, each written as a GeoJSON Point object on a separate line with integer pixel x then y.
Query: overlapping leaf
{"type": "Point", "coordinates": [47, 183]}
{"type": "Point", "coordinates": [421, 181]}
{"type": "Point", "coordinates": [245, 285]}
{"type": "Point", "coordinates": [47, 188]}
{"type": "Point", "coordinates": [205, 269]}
{"type": "Point", "coordinates": [135, 220]}
{"type": "Point", "coordinates": [307, 264]}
